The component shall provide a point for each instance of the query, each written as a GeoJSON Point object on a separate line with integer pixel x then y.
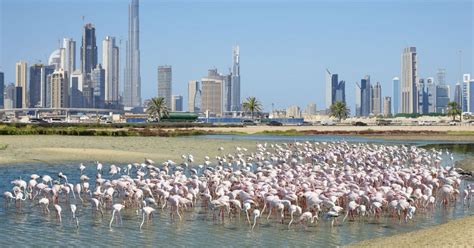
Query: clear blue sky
{"type": "Point", "coordinates": [285, 45]}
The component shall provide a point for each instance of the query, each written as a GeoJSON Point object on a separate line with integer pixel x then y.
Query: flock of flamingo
{"type": "Point", "coordinates": [303, 182]}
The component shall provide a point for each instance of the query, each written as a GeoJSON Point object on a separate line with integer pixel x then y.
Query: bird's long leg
{"type": "Point", "coordinates": [112, 219]}
{"type": "Point", "coordinates": [143, 220]}
{"type": "Point", "coordinates": [248, 218]}
{"type": "Point", "coordinates": [291, 221]}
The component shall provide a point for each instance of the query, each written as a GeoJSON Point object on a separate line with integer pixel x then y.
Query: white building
{"type": "Point", "coordinates": [409, 79]}
{"type": "Point", "coordinates": [110, 64]}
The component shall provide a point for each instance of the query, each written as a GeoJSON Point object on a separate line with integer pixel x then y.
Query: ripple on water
{"type": "Point", "coordinates": [32, 227]}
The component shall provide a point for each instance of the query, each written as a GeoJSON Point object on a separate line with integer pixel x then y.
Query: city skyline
{"type": "Point", "coordinates": [258, 79]}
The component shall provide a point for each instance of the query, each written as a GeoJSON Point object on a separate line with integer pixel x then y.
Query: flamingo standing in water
{"type": "Point", "coordinates": [255, 215]}
{"type": "Point", "coordinates": [117, 207]}
{"type": "Point", "coordinates": [147, 213]}
{"type": "Point", "coordinates": [74, 217]}
{"type": "Point", "coordinates": [58, 212]}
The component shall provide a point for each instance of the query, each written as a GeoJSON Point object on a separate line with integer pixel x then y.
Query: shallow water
{"type": "Point", "coordinates": [31, 227]}
{"type": "Point", "coordinates": [325, 138]}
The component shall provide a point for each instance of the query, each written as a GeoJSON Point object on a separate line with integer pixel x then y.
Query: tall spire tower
{"type": "Point", "coordinates": [235, 105]}
{"type": "Point", "coordinates": [132, 90]}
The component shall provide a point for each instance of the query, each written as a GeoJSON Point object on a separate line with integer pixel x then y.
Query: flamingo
{"type": "Point", "coordinates": [255, 215]}
{"type": "Point", "coordinates": [73, 212]}
{"type": "Point", "coordinates": [58, 212]}
{"type": "Point", "coordinates": [116, 209]}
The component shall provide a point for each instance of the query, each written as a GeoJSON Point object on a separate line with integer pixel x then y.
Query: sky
{"type": "Point", "coordinates": [285, 46]}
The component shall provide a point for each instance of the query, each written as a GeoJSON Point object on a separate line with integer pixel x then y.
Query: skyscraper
{"type": "Point", "coordinates": [98, 84]}
{"type": "Point", "coordinates": [76, 90]}
{"type": "Point", "coordinates": [430, 88]}
{"type": "Point", "coordinates": [228, 92]}
{"type": "Point", "coordinates": [364, 96]}
{"type": "Point", "coordinates": [470, 87]}
{"type": "Point", "coordinates": [442, 98]}
{"type": "Point", "coordinates": [466, 93]}
{"type": "Point", "coordinates": [88, 49]}
{"type": "Point", "coordinates": [165, 83]}
{"type": "Point", "coordinates": [376, 102]}
{"type": "Point", "coordinates": [396, 95]}
{"type": "Point", "coordinates": [387, 106]}
{"type": "Point", "coordinates": [68, 55]}
{"type": "Point", "coordinates": [335, 90]}
{"type": "Point", "coordinates": [211, 98]}
{"type": "Point", "coordinates": [194, 96]}
{"type": "Point", "coordinates": [132, 90]}
{"type": "Point", "coordinates": [54, 59]}
{"type": "Point", "coordinates": [59, 89]}
{"type": "Point", "coordinates": [9, 96]}
{"type": "Point", "coordinates": [458, 95]}
{"type": "Point", "coordinates": [110, 60]}
{"type": "Point", "coordinates": [235, 82]}
{"type": "Point", "coordinates": [177, 103]}
{"type": "Point", "coordinates": [422, 96]}
{"type": "Point", "coordinates": [20, 84]}
{"type": "Point", "coordinates": [441, 76]}
{"type": "Point", "coordinates": [2, 90]}
{"type": "Point", "coordinates": [88, 63]}
{"type": "Point", "coordinates": [35, 85]}
{"type": "Point", "coordinates": [408, 81]}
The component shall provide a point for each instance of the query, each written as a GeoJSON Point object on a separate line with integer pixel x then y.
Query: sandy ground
{"type": "Point", "coordinates": [55, 149]}
{"type": "Point", "coordinates": [455, 233]}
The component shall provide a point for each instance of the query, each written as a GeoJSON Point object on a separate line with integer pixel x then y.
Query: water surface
{"type": "Point", "coordinates": [31, 227]}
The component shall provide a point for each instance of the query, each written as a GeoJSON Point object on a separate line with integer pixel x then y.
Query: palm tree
{"type": "Point", "coordinates": [156, 108]}
{"type": "Point", "coordinates": [339, 110]}
{"type": "Point", "coordinates": [453, 110]}
{"type": "Point", "coordinates": [252, 105]}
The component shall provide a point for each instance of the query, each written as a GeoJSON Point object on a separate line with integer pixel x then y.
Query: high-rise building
{"type": "Point", "coordinates": [458, 95]}
{"type": "Point", "coordinates": [235, 82]}
{"type": "Point", "coordinates": [466, 99]}
{"type": "Point", "coordinates": [98, 84]}
{"type": "Point", "coordinates": [376, 99]}
{"type": "Point", "coordinates": [194, 96]}
{"type": "Point", "coordinates": [59, 89]}
{"type": "Point", "coordinates": [228, 92]}
{"type": "Point", "coordinates": [88, 49]}
{"type": "Point", "coordinates": [430, 88]}
{"type": "Point", "coordinates": [422, 90]}
{"type": "Point", "coordinates": [76, 89]}
{"type": "Point", "coordinates": [364, 97]}
{"type": "Point", "coordinates": [358, 100]}
{"type": "Point", "coordinates": [471, 95]}
{"type": "Point", "coordinates": [311, 109]}
{"type": "Point", "coordinates": [211, 98]}
{"type": "Point", "coordinates": [38, 90]}
{"type": "Point", "coordinates": [335, 90]}
{"type": "Point", "coordinates": [387, 106]}
{"type": "Point", "coordinates": [9, 96]}
{"type": "Point", "coordinates": [21, 72]}
{"type": "Point", "coordinates": [441, 76]}
{"type": "Point", "coordinates": [54, 59]}
{"type": "Point", "coordinates": [35, 85]}
{"type": "Point", "coordinates": [165, 83]}
{"type": "Point", "coordinates": [396, 95]}
{"type": "Point", "coordinates": [177, 103]}
{"type": "Point", "coordinates": [110, 60]}
{"type": "Point", "coordinates": [442, 98]}
{"type": "Point", "coordinates": [2, 90]}
{"type": "Point", "coordinates": [68, 55]}
{"type": "Point", "coordinates": [408, 81]}
{"type": "Point", "coordinates": [132, 90]}
{"type": "Point", "coordinates": [88, 63]}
